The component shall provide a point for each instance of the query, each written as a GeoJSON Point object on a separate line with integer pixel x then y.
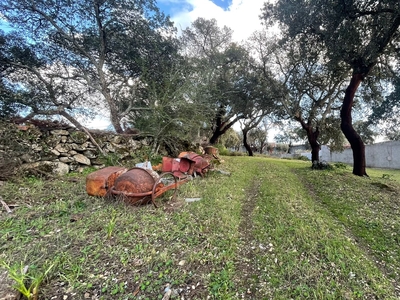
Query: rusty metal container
{"type": "Point", "coordinates": [100, 181]}
{"type": "Point", "coordinates": [178, 166]}
{"type": "Point", "coordinates": [135, 185]}
{"type": "Point", "coordinates": [211, 150]}
{"type": "Point", "coordinates": [201, 164]}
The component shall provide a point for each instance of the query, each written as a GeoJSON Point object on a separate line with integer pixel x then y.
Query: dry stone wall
{"type": "Point", "coordinates": [61, 150]}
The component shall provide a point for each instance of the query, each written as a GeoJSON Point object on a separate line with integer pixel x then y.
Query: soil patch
{"type": "Point", "coordinates": [246, 263]}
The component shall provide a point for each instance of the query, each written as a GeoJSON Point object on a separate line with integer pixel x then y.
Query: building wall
{"type": "Point", "coordinates": [380, 155]}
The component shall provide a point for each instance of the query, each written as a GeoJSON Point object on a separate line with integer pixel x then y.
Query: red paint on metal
{"type": "Point", "coordinates": [201, 164]}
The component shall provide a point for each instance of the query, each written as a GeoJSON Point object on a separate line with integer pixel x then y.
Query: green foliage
{"type": "Point", "coordinates": [340, 30]}
{"type": "Point", "coordinates": [110, 159]}
{"type": "Point", "coordinates": [281, 148]}
{"type": "Point", "coordinates": [386, 114]}
{"type": "Point", "coordinates": [111, 224]}
{"type": "Point", "coordinates": [331, 135]}
{"type": "Point", "coordinates": [172, 112]}
{"type": "Point", "coordinates": [365, 131]}
{"type": "Point", "coordinates": [387, 176]}
{"type": "Point", "coordinates": [230, 139]}
{"type": "Point", "coordinates": [225, 73]}
{"type": "Point", "coordinates": [237, 153]}
{"type": "Point", "coordinates": [352, 39]}
{"type": "Point", "coordinates": [27, 279]}
{"type": "Point", "coordinates": [141, 46]}
{"type": "Point", "coordinates": [340, 165]}
{"type": "Point", "coordinates": [303, 158]}
{"type": "Point", "coordinates": [321, 165]}
{"type": "Point", "coordinates": [222, 149]}
{"type": "Point", "coordinates": [221, 283]}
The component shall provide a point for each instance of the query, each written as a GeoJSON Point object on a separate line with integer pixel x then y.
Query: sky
{"type": "Point", "coordinates": [242, 16]}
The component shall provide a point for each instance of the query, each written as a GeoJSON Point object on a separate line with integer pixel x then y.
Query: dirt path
{"type": "Point", "coordinates": [246, 264]}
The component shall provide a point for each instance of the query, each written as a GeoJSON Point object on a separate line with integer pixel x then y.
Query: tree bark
{"type": "Point", "coordinates": [246, 144]}
{"type": "Point", "coordinates": [357, 144]}
{"type": "Point", "coordinates": [312, 137]}
{"type": "Point", "coordinates": [215, 137]}
{"type": "Point", "coordinates": [315, 146]}
{"type": "Point", "coordinates": [220, 130]}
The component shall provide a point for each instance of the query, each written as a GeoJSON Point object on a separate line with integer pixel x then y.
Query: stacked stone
{"type": "Point", "coordinates": [60, 151]}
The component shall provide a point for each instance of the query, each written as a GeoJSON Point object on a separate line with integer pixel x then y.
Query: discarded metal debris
{"type": "Point", "coordinates": [180, 167]}
{"type": "Point", "coordinates": [134, 186]}
{"type": "Point", "coordinates": [201, 162]}
{"type": "Point", "coordinates": [192, 199]}
{"type": "Point", "coordinates": [98, 182]}
{"type": "Point", "coordinates": [142, 185]}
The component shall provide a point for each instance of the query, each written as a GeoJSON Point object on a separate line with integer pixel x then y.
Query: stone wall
{"type": "Point", "coordinates": [61, 150]}
{"type": "Point", "coordinates": [381, 155]}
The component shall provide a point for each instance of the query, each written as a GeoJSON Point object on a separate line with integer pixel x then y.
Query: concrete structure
{"type": "Point", "coordinates": [380, 155]}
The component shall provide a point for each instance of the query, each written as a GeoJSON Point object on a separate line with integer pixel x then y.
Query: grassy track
{"type": "Point", "coordinates": [274, 229]}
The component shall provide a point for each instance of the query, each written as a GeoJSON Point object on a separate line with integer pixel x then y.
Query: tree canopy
{"type": "Point", "coordinates": [102, 46]}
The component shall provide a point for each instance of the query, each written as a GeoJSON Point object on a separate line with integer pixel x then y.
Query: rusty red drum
{"type": "Point", "coordinates": [134, 185]}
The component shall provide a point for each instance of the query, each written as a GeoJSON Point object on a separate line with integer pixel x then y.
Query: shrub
{"type": "Point", "coordinates": [321, 165]}
{"type": "Point", "coordinates": [304, 158]}
{"type": "Point", "coordinates": [237, 153]}
{"type": "Point", "coordinates": [222, 149]}
{"type": "Point", "coordinates": [340, 165]}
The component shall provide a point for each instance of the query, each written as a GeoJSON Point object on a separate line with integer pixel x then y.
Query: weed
{"type": "Point", "coordinates": [303, 158]}
{"type": "Point", "coordinates": [111, 159]}
{"type": "Point", "coordinates": [340, 165]}
{"type": "Point", "coordinates": [387, 176]}
{"type": "Point", "coordinates": [221, 282]}
{"type": "Point", "coordinates": [111, 224]}
{"type": "Point", "coordinates": [321, 165]}
{"type": "Point", "coordinates": [27, 279]}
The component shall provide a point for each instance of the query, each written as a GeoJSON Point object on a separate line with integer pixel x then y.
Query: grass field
{"type": "Point", "coordinates": [273, 229]}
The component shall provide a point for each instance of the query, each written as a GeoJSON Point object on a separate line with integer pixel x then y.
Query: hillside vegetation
{"type": "Point", "coordinates": [273, 229]}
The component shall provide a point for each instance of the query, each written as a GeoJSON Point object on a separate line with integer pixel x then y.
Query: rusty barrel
{"type": "Point", "coordinates": [211, 150]}
{"type": "Point", "coordinates": [100, 181]}
{"type": "Point", "coordinates": [134, 185]}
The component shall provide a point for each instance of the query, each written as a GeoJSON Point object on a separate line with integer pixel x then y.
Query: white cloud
{"type": "Point", "coordinates": [242, 16]}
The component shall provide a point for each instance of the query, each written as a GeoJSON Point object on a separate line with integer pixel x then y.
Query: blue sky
{"type": "Point", "coordinates": [240, 15]}
{"type": "Point", "coordinates": [171, 7]}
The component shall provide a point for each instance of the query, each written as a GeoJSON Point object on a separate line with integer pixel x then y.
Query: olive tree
{"type": "Point", "coordinates": [361, 35]}
{"type": "Point", "coordinates": [309, 91]}
{"type": "Point", "coordinates": [220, 66]}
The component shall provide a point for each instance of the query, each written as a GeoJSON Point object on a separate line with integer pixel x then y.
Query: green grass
{"type": "Point", "coordinates": [274, 229]}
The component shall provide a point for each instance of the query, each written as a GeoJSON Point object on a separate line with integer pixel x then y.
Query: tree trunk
{"type": "Point", "coordinates": [357, 144]}
{"type": "Point", "coordinates": [315, 147]}
{"type": "Point", "coordinates": [215, 137]}
{"type": "Point", "coordinates": [219, 131]}
{"type": "Point", "coordinates": [312, 137]}
{"type": "Point", "coordinates": [262, 146]}
{"type": "Point", "coordinates": [246, 144]}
